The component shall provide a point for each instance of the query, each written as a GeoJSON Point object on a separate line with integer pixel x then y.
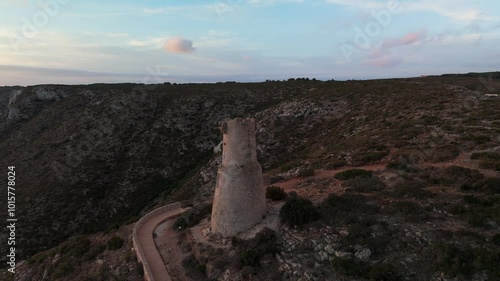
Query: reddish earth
{"type": "Point", "coordinates": [168, 240]}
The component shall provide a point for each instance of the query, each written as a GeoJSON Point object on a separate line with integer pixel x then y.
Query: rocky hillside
{"type": "Point", "coordinates": [93, 158]}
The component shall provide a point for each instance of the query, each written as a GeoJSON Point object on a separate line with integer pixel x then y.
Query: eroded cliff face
{"type": "Point", "coordinates": [93, 156]}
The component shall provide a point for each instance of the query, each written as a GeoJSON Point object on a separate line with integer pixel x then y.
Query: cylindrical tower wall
{"type": "Point", "coordinates": [239, 200]}
{"type": "Point", "coordinates": [238, 141]}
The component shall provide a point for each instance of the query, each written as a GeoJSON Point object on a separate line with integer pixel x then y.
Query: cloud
{"type": "Point", "coordinates": [360, 4]}
{"type": "Point", "coordinates": [407, 39]}
{"type": "Point", "coordinates": [451, 9]}
{"type": "Point", "coordinates": [272, 2]}
{"type": "Point", "coordinates": [385, 62]}
{"type": "Point", "coordinates": [217, 39]}
{"type": "Point", "coordinates": [114, 35]}
{"type": "Point", "coordinates": [179, 45]}
{"type": "Point", "coordinates": [163, 10]}
{"type": "Point", "coordinates": [151, 42]}
{"type": "Point", "coordinates": [458, 11]}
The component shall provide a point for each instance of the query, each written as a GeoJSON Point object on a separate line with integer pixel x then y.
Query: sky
{"type": "Point", "coordinates": [153, 41]}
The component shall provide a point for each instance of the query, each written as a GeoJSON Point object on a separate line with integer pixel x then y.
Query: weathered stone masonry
{"type": "Point", "coordinates": [239, 201]}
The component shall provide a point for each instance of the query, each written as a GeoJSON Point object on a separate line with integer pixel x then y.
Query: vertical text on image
{"type": "Point", "coordinates": [11, 219]}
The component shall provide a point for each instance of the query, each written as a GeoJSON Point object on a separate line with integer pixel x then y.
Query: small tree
{"type": "Point", "coordinates": [115, 243]}
{"type": "Point", "coordinates": [298, 211]}
{"type": "Point", "coordinates": [275, 193]}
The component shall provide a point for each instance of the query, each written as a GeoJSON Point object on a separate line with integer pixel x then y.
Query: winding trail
{"type": "Point", "coordinates": [144, 243]}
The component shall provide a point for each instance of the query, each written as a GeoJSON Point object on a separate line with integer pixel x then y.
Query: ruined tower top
{"type": "Point", "coordinates": [238, 140]}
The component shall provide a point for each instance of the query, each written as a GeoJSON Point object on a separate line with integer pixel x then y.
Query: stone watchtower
{"type": "Point", "coordinates": [239, 200]}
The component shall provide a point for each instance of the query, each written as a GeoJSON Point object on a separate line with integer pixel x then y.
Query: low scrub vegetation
{"type": "Point", "coordinates": [353, 173]}
{"type": "Point", "coordinates": [252, 251]}
{"type": "Point", "coordinates": [385, 272]}
{"type": "Point", "coordinates": [275, 193]}
{"type": "Point", "coordinates": [399, 166]}
{"type": "Point", "coordinates": [298, 211]}
{"type": "Point", "coordinates": [345, 209]}
{"type": "Point", "coordinates": [193, 216]}
{"type": "Point", "coordinates": [464, 261]}
{"type": "Point", "coordinates": [193, 266]}
{"type": "Point", "coordinates": [363, 184]}
{"type": "Point", "coordinates": [455, 176]}
{"type": "Point", "coordinates": [488, 160]}
{"type": "Point", "coordinates": [408, 210]}
{"type": "Point", "coordinates": [115, 243]}
{"type": "Point", "coordinates": [353, 267]}
{"type": "Point", "coordinates": [410, 189]}
{"type": "Point", "coordinates": [304, 173]}
{"type": "Point", "coordinates": [488, 185]}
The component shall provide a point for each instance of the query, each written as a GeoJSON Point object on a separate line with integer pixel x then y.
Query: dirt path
{"type": "Point", "coordinates": [147, 243]}
{"type": "Point", "coordinates": [167, 241]}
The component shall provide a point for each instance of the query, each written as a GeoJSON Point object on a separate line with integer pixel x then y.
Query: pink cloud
{"type": "Point", "coordinates": [407, 39]}
{"type": "Point", "coordinates": [179, 45]}
{"type": "Point", "coordinates": [378, 53]}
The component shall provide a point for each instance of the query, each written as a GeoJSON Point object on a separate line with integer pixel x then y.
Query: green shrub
{"type": "Point", "coordinates": [275, 193]}
{"type": "Point", "coordinates": [252, 251]}
{"type": "Point", "coordinates": [299, 211]}
{"type": "Point", "coordinates": [384, 272]}
{"type": "Point", "coordinates": [193, 216]}
{"type": "Point", "coordinates": [41, 257]}
{"type": "Point", "coordinates": [481, 139]}
{"type": "Point", "coordinates": [496, 239]}
{"type": "Point", "coordinates": [373, 156]}
{"type": "Point", "coordinates": [410, 189]}
{"type": "Point", "coordinates": [443, 153]}
{"type": "Point", "coordinates": [485, 155]}
{"type": "Point", "coordinates": [408, 210]}
{"type": "Point", "coordinates": [191, 264]}
{"type": "Point", "coordinates": [62, 269]}
{"type": "Point", "coordinates": [363, 184]}
{"type": "Point", "coordinates": [471, 199]}
{"type": "Point", "coordinates": [488, 185]}
{"type": "Point", "coordinates": [456, 176]}
{"type": "Point", "coordinates": [95, 251]}
{"type": "Point", "coordinates": [491, 185]}
{"type": "Point", "coordinates": [457, 209]}
{"type": "Point", "coordinates": [360, 233]}
{"type": "Point", "coordinates": [75, 247]}
{"type": "Point", "coordinates": [351, 267]}
{"type": "Point", "coordinates": [115, 243]}
{"type": "Point", "coordinates": [353, 173]}
{"type": "Point", "coordinates": [249, 258]}
{"type": "Point", "coordinates": [463, 261]}
{"type": "Point", "coordinates": [335, 164]}
{"type": "Point", "coordinates": [346, 208]}
{"type": "Point", "coordinates": [276, 179]}
{"type": "Point", "coordinates": [304, 173]}
{"type": "Point", "coordinates": [490, 165]}
{"type": "Point", "coordinates": [400, 167]}
{"type": "Point", "coordinates": [489, 160]}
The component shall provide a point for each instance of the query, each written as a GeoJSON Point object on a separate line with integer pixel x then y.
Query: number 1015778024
{"type": "Point", "coordinates": [11, 191]}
